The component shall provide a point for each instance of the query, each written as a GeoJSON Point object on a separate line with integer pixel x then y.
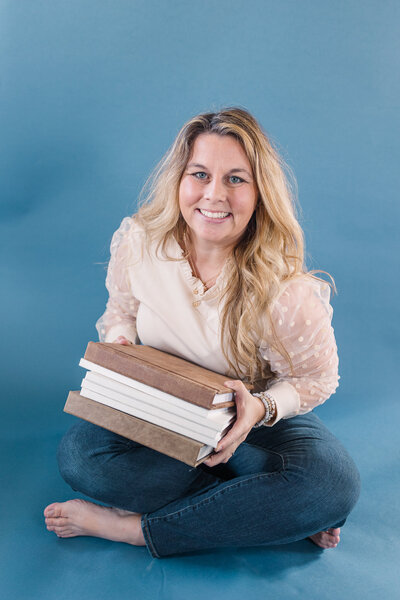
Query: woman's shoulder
{"type": "Point", "coordinates": [305, 282]}
{"type": "Point", "coordinates": [127, 238]}
{"type": "Point", "coordinates": [133, 240]}
{"type": "Point", "coordinates": [129, 228]}
{"type": "Point", "coordinates": [302, 289]}
{"type": "Point", "coordinates": [130, 225]}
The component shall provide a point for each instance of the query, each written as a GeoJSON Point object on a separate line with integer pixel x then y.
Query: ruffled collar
{"type": "Point", "coordinates": [194, 282]}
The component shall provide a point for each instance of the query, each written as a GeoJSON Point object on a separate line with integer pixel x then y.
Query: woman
{"type": "Point", "coordinates": [211, 269]}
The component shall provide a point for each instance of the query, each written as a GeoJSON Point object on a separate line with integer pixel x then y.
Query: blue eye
{"type": "Point", "coordinates": [238, 179]}
{"type": "Point", "coordinates": [200, 173]}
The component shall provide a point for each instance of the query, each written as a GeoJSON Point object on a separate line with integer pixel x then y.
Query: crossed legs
{"type": "Point", "coordinates": [284, 483]}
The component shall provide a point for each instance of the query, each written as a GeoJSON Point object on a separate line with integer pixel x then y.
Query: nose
{"type": "Point", "coordinates": [215, 191]}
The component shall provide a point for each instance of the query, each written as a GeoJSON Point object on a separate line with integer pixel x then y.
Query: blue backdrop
{"type": "Point", "coordinates": [92, 95]}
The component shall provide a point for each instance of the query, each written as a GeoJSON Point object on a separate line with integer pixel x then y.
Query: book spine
{"type": "Point", "coordinates": [152, 375]}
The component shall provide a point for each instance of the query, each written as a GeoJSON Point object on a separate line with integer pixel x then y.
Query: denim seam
{"type": "Point", "coordinates": [180, 512]}
{"type": "Point", "coordinates": [148, 538]}
{"type": "Point", "coordinates": [268, 451]}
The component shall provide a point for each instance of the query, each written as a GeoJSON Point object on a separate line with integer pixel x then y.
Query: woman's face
{"type": "Point", "coordinates": [217, 193]}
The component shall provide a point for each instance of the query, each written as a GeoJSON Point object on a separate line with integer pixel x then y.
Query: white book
{"type": "Point", "coordinates": [164, 396]}
{"type": "Point", "coordinates": [210, 439]}
{"type": "Point", "coordinates": [216, 419]}
{"type": "Point", "coordinates": [152, 411]}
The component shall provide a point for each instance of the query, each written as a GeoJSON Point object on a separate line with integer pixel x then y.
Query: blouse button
{"type": "Point", "coordinates": [195, 291]}
{"type": "Point", "coordinates": [196, 303]}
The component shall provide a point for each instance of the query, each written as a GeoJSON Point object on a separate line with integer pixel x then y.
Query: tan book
{"type": "Point", "coordinates": [153, 436]}
{"type": "Point", "coordinates": [163, 371]}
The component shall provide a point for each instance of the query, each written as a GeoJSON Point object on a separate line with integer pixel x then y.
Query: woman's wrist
{"type": "Point", "coordinates": [258, 412]}
{"type": "Point", "coordinates": [270, 410]}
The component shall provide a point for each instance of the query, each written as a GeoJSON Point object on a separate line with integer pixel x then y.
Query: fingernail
{"type": "Point", "coordinates": [50, 513]}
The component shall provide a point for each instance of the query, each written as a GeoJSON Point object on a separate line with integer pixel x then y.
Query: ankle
{"type": "Point", "coordinates": [131, 529]}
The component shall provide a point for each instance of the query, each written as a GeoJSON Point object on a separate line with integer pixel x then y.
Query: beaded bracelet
{"type": "Point", "coordinates": [270, 407]}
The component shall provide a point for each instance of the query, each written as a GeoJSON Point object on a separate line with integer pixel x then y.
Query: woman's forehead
{"type": "Point", "coordinates": [225, 149]}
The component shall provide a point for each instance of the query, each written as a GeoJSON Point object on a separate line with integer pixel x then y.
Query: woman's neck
{"type": "Point", "coordinates": [207, 260]}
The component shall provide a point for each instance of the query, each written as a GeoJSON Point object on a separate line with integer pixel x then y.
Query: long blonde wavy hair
{"type": "Point", "coordinates": [270, 252]}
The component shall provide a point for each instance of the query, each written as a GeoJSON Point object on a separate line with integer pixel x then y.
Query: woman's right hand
{"type": "Point", "coordinates": [122, 340]}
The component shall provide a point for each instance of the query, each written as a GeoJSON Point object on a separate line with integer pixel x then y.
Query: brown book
{"type": "Point", "coordinates": [163, 371]}
{"type": "Point", "coordinates": [163, 440]}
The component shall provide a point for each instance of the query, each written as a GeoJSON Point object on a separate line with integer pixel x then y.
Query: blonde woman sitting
{"type": "Point", "coordinates": [211, 269]}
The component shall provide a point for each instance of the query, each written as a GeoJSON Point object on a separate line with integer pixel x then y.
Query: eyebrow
{"type": "Point", "coordinates": [231, 171]}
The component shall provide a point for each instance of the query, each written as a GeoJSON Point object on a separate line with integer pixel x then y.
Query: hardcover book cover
{"type": "Point", "coordinates": [153, 436]}
{"type": "Point", "coordinates": [163, 371]}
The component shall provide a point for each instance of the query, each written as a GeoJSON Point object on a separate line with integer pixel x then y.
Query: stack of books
{"type": "Point", "coordinates": [154, 398]}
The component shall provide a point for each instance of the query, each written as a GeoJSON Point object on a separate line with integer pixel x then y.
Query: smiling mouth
{"type": "Point", "coordinates": [213, 215]}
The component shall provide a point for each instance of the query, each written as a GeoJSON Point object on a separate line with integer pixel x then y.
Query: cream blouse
{"type": "Point", "coordinates": [160, 303]}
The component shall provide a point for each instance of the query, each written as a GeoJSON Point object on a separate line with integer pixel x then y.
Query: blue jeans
{"type": "Point", "coordinates": [284, 483]}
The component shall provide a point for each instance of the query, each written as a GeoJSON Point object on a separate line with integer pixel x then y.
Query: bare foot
{"type": "Point", "coordinates": [80, 517]}
{"type": "Point", "coordinates": [326, 539]}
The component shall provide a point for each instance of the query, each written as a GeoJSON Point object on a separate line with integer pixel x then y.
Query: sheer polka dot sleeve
{"type": "Point", "coordinates": [119, 317]}
{"type": "Point", "coordinates": [302, 317]}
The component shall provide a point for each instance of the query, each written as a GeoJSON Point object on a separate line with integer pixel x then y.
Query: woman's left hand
{"type": "Point", "coordinates": [249, 410]}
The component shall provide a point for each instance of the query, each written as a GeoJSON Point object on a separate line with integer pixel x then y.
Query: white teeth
{"type": "Point", "coordinates": [213, 215]}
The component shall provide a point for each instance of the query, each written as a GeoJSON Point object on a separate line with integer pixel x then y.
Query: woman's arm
{"type": "Point", "coordinates": [302, 318]}
{"type": "Point", "coordinates": [119, 318]}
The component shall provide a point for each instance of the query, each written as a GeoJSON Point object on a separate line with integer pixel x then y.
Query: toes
{"type": "Point", "coordinates": [330, 542]}
{"type": "Point", "coordinates": [62, 509]}
{"type": "Point", "coordinates": [325, 540]}
{"type": "Point", "coordinates": [327, 545]}
{"type": "Point", "coordinates": [61, 532]}
{"type": "Point", "coordinates": [64, 532]}
{"type": "Point", "coordinates": [333, 538]}
{"type": "Point", "coordinates": [56, 521]}
{"type": "Point", "coordinates": [53, 510]}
